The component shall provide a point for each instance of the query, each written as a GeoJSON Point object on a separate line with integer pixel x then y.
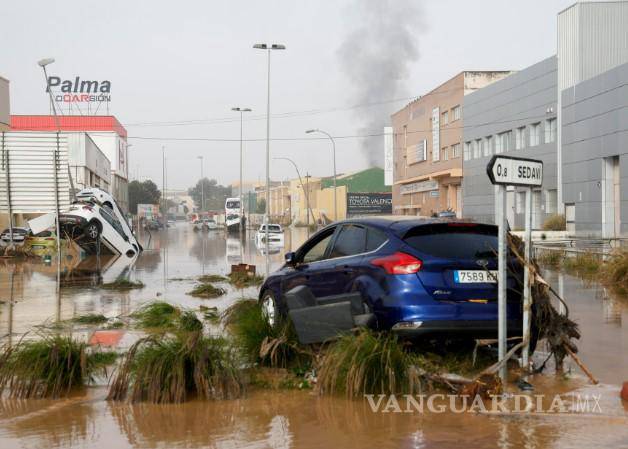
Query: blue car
{"type": "Point", "coordinates": [416, 276]}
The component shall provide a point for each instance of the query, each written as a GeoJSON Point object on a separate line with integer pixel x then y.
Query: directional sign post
{"type": "Point", "coordinates": [513, 171]}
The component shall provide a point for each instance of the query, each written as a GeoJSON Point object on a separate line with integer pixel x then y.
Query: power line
{"type": "Point", "coordinates": [292, 114]}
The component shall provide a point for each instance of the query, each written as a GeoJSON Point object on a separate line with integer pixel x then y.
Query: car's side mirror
{"type": "Point", "coordinates": [291, 258]}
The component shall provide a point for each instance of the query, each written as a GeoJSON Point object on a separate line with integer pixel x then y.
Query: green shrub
{"type": "Point", "coordinates": [583, 264]}
{"type": "Point", "coordinates": [90, 318]}
{"type": "Point", "coordinates": [368, 363]}
{"type": "Point", "coordinates": [555, 222]}
{"type": "Point", "coordinates": [171, 369]}
{"type": "Point", "coordinates": [261, 343]}
{"type": "Point", "coordinates": [122, 284]}
{"type": "Point", "coordinates": [206, 291]}
{"type": "Point", "coordinates": [48, 368]}
{"type": "Point", "coordinates": [614, 272]}
{"type": "Point", "coordinates": [241, 279]}
{"type": "Point", "coordinates": [156, 315]}
{"type": "Point", "coordinates": [550, 258]}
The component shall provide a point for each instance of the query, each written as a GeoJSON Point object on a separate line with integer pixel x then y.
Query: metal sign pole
{"type": "Point", "coordinates": [527, 297]}
{"type": "Point", "coordinates": [501, 278]}
{"type": "Point", "coordinates": [505, 171]}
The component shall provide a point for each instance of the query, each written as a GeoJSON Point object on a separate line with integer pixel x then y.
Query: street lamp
{"type": "Point", "coordinates": [202, 186]}
{"type": "Point", "coordinates": [333, 145]}
{"type": "Point", "coordinates": [241, 111]}
{"type": "Point", "coordinates": [268, 49]}
{"type": "Point", "coordinates": [307, 195]}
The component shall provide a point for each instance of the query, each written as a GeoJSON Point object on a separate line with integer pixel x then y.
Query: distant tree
{"type": "Point", "coordinates": [215, 194]}
{"type": "Point", "coordinates": [145, 192]}
{"type": "Point", "coordinates": [261, 206]}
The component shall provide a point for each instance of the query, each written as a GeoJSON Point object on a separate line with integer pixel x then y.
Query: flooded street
{"type": "Point", "coordinates": [284, 418]}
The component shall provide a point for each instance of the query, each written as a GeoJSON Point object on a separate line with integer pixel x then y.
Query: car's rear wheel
{"type": "Point", "coordinates": [270, 312]}
{"type": "Point", "coordinates": [92, 230]}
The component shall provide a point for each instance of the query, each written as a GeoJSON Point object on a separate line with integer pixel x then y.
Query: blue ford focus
{"type": "Point", "coordinates": [413, 276]}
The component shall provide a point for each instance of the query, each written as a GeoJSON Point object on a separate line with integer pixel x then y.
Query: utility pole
{"type": "Point", "coordinates": [163, 184]}
{"type": "Point", "coordinates": [202, 188]}
{"type": "Point", "coordinates": [241, 111]}
{"type": "Point", "coordinates": [307, 201]}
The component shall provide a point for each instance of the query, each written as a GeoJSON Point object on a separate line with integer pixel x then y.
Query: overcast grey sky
{"type": "Point", "coordinates": [191, 61]}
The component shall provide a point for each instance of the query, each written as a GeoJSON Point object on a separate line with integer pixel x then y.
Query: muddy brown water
{"type": "Point", "coordinates": [284, 419]}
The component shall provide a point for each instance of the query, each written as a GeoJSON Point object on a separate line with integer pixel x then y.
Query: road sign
{"type": "Point", "coordinates": [515, 171]}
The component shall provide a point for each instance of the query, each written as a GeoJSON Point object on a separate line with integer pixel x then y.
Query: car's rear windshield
{"type": "Point", "coordinates": [454, 240]}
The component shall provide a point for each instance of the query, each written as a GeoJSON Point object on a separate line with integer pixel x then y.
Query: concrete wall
{"type": "Point", "coordinates": [595, 127]}
{"type": "Point", "coordinates": [524, 98]}
{"type": "Point", "coordinates": [4, 105]}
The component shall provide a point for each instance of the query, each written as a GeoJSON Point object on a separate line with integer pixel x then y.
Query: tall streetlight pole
{"type": "Point", "coordinates": [43, 63]}
{"type": "Point", "coordinates": [202, 187]}
{"type": "Point", "coordinates": [268, 48]}
{"type": "Point", "coordinates": [307, 199]}
{"type": "Point", "coordinates": [333, 145]}
{"type": "Point", "coordinates": [241, 111]}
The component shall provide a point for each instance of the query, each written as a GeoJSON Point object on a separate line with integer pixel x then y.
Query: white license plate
{"type": "Point", "coordinates": [475, 276]}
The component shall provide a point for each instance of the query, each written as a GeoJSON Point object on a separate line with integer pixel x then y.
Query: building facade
{"type": "Point", "coordinates": [427, 147]}
{"type": "Point", "coordinates": [5, 105]}
{"type": "Point", "coordinates": [104, 130]}
{"type": "Point", "coordinates": [570, 111]}
{"type": "Point", "coordinates": [515, 116]}
{"type": "Point", "coordinates": [593, 100]}
{"type": "Point", "coordinates": [88, 164]}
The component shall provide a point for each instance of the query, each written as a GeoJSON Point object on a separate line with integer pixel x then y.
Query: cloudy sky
{"type": "Point", "coordinates": [177, 69]}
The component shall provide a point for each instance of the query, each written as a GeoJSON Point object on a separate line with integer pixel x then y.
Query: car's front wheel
{"type": "Point", "coordinates": [270, 312]}
{"type": "Point", "coordinates": [92, 230]}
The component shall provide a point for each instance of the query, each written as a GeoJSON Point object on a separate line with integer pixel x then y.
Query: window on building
{"type": "Point", "coordinates": [550, 130]}
{"type": "Point", "coordinates": [520, 202]}
{"type": "Point", "coordinates": [455, 112]}
{"type": "Point", "coordinates": [445, 117]}
{"type": "Point", "coordinates": [477, 149]}
{"type": "Point", "coordinates": [467, 151]}
{"type": "Point", "coordinates": [445, 153]}
{"type": "Point", "coordinates": [455, 150]}
{"type": "Point", "coordinates": [551, 200]}
{"type": "Point", "coordinates": [520, 135]}
{"type": "Point", "coordinates": [488, 142]}
{"type": "Point", "coordinates": [498, 144]}
{"type": "Point", "coordinates": [535, 134]}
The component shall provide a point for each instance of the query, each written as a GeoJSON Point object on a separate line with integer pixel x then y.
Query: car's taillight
{"type": "Point", "coordinates": [398, 263]}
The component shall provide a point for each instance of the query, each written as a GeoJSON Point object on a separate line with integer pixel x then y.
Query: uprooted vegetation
{"type": "Point", "coordinates": [206, 291]}
{"type": "Point", "coordinates": [208, 278]}
{"type": "Point", "coordinates": [90, 318]}
{"type": "Point", "coordinates": [242, 279]}
{"type": "Point", "coordinates": [261, 343]}
{"type": "Point", "coordinates": [122, 284]}
{"type": "Point", "coordinates": [610, 270]}
{"type": "Point", "coordinates": [49, 367]}
{"type": "Point", "coordinates": [182, 364]}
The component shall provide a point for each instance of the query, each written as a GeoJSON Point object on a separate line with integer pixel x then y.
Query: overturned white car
{"type": "Point", "coordinates": [96, 223]}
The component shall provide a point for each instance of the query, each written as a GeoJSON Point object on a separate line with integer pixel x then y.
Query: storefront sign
{"type": "Point", "coordinates": [369, 204]}
{"type": "Point", "coordinates": [422, 186]}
